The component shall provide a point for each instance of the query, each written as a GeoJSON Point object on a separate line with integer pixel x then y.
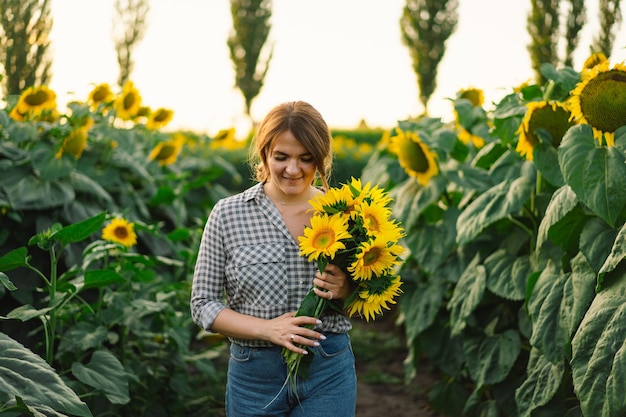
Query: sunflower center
{"type": "Point", "coordinates": [121, 233]}
{"type": "Point", "coordinates": [323, 239]}
{"type": "Point", "coordinates": [37, 98]}
{"type": "Point", "coordinates": [603, 100]}
{"type": "Point", "coordinates": [554, 120]}
{"type": "Point", "coordinates": [129, 100]}
{"type": "Point", "coordinates": [414, 156]}
{"type": "Point", "coordinates": [372, 222]}
{"type": "Point", "coordinates": [371, 256]}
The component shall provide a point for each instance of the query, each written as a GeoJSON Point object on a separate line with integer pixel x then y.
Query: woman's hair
{"type": "Point", "coordinates": [307, 126]}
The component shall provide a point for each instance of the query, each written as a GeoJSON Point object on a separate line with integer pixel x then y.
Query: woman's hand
{"type": "Point", "coordinates": [332, 283]}
{"type": "Point", "coordinates": [288, 331]}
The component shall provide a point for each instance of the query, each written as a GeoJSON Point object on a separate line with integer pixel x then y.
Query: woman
{"type": "Point", "coordinates": [249, 278]}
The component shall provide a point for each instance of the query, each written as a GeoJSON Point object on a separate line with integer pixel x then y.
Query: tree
{"type": "Point", "coordinates": [543, 27]}
{"type": "Point", "coordinates": [426, 25]}
{"type": "Point", "coordinates": [251, 28]}
{"type": "Point", "coordinates": [128, 30]}
{"type": "Point", "coordinates": [610, 18]}
{"type": "Point", "coordinates": [575, 21]}
{"type": "Point", "coordinates": [24, 42]}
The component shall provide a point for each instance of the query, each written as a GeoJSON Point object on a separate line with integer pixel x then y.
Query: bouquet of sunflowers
{"type": "Point", "coordinates": [352, 228]}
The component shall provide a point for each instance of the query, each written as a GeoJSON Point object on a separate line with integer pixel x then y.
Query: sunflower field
{"type": "Point", "coordinates": [515, 289]}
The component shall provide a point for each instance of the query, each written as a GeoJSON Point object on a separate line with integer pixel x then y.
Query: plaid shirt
{"type": "Point", "coordinates": [249, 262]}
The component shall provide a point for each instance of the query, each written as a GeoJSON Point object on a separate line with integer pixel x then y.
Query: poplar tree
{"type": "Point", "coordinates": [251, 28]}
{"type": "Point", "coordinates": [426, 25]}
{"type": "Point", "coordinates": [576, 19]}
{"type": "Point", "coordinates": [543, 27]}
{"type": "Point", "coordinates": [24, 42]}
{"type": "Point", "coordinates": [129, 28]}
{"type": "Point", "coordinates": [610, 18]}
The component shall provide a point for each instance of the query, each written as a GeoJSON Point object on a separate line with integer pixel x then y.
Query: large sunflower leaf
{"type": "Point", "coordinates": [431, 253]}
{"type": "Point", "coordinates": [578, 293]}
{"type": "Point", "coordinates": [420, 304]}
{"type": "Point", "coordinates": [548, 333]}
{"type": "Point", "coordinates": [490, 359]}
{"type": "Point", "coordinates": [26, 375]}
{"type": "Point", "coordinates": [507, 274]}
{"type": "Point", "coordinates": [31, 193]}
{"type": "Point", "coordinates": [106, 373]}
{"type": "Point", "coordinates": [596, 174]}
{"type": "Point", "coordinates": [563, 220]}
{"type": "Point", "coordinates": [599, 352]}
{"type": "Point", "coordinates": [468, 293]}
{"type": "Point", "coordinates": [495, 204]}
{"type": "Point", "coordinates": [596, 241]}
{"type": "Point", "coordinates": [618, 252]}
{"type": "Point", "coordinates": [81, 230]}
{"type": "Point", "coordinates": [542, 381]}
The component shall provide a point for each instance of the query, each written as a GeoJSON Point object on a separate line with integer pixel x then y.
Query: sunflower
{"type": "Point", "coordinates": [467, 137]}
{"type": "Point", "coordinates": [414, 156]}
{"type": "Point", "coordinates": [599, 100]}
{"type": "Point", "coordinates": [335, 200]}
{"type": "Point", "coordinates": [35, 102]}
{"type": "Point", "coordinates": [475, 95]}
{"type": "Point", "coordinates": [374, 258]}
{"type": "Point", "coordinates": [167, 152]}
{"type": "Point", "coordinates": [128, 103]}
{"type": "Point", "coordinates": [75, 142]}
{"type": "Point", "coordinates": [594, 59]}
{"type": "Point", "coordinates": [374, 296]}
{"type": "Point", "coordinates": [120, 231]}
{"type": "Point", "coordinates": [324, 236]}
{"type": "Point", "coordinates": [553, 117]}
{"type": "Point", "coordinates": [159, 118]}
{"type": "Point", "coordinates": [101, 94]}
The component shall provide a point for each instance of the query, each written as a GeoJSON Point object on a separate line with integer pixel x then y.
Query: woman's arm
{"type": "Point", "coordinates": [285, 330]}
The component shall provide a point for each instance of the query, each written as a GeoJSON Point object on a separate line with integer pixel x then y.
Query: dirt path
{"type": "Point", "coordinates": [380, 350]}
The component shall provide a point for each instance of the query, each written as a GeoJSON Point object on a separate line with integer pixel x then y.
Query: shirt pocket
{"type": "Point", "coordinates": [262, 274]}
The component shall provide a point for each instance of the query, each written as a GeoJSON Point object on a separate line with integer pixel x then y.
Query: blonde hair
{"type": "Point", "coordinates": [306, 124]}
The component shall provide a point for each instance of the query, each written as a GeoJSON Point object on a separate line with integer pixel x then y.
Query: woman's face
{"type": "Point", "coordinates": [291, 166]}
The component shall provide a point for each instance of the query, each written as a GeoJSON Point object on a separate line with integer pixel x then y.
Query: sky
{"type": "Point", "coordinates": [345, 57]}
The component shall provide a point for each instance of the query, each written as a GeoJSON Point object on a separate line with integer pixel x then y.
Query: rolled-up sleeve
{"type": "Point", "coordinates": [207, 290]}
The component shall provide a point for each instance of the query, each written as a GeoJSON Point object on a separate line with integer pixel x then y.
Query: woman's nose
{"type": "Point", "coordinates": [292, 166]}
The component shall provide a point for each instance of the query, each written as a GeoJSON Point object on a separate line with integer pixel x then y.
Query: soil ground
{"type": "Point", "coordinates": [380, 350]}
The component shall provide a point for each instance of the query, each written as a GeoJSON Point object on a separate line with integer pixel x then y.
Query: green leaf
{"type": "Point", "coordinates": [82, 337]}
{"type": "Point", "coordinates": [563, 221]}
{"type": "Point", "coordinates": [549, 335]}
{"type": "Point", "coordinates": [32, 193]}
{"type": "Point", "coordinates": [99, 278]}
{"type": "Point", "coordinates": [81, 230]}
{"type": "Point", "coordinates": [14, 259]}
{"type": "Point", "coordinates": [420, 305]}
{"type": "Point", "coordinates": [27, 312]}
{"type": "Point", "coordinates": [545, 158]}
{"type": "Point", "coordinates": [597, 174]}
{"type": "Point", "coordinates": [468, 293]}
{"type": "Point", "coordinates": [6, 282]}
{"type": "Point", "coordinates": [507, 274]}
{"type": "Point", "coordinates": [599, 352]}
{"type": "Point", "coordinates": [578, 293]}
{"type": "Point", "coordinates": [596, 241]}
{"type": "Point", "coordinates": [26, 375]}
{"type": "Point", "coordinates": [618, 252]}
{"type": "Point", "coordinates": [105, 373]}
{"type": "Point", "coordinates": [47, 165]}
{"type": "Point", "coordinates": [495, 204]}
{"type": "Point", "coordinates": [490, 359]}
{"type": "Point", "coordinates": [542, 382]}
{"type": "Point", "coordinates": [431, 253]}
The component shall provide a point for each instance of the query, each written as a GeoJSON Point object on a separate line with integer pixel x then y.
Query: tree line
{"type": "Point", "coordinates": [425, 25]}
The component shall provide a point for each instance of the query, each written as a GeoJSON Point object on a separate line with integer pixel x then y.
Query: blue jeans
{"type": "Point", "coordinates": [256, 382]}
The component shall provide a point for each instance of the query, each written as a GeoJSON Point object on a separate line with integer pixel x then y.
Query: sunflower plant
{"type": "Point", "coordinates": [351, 227]}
